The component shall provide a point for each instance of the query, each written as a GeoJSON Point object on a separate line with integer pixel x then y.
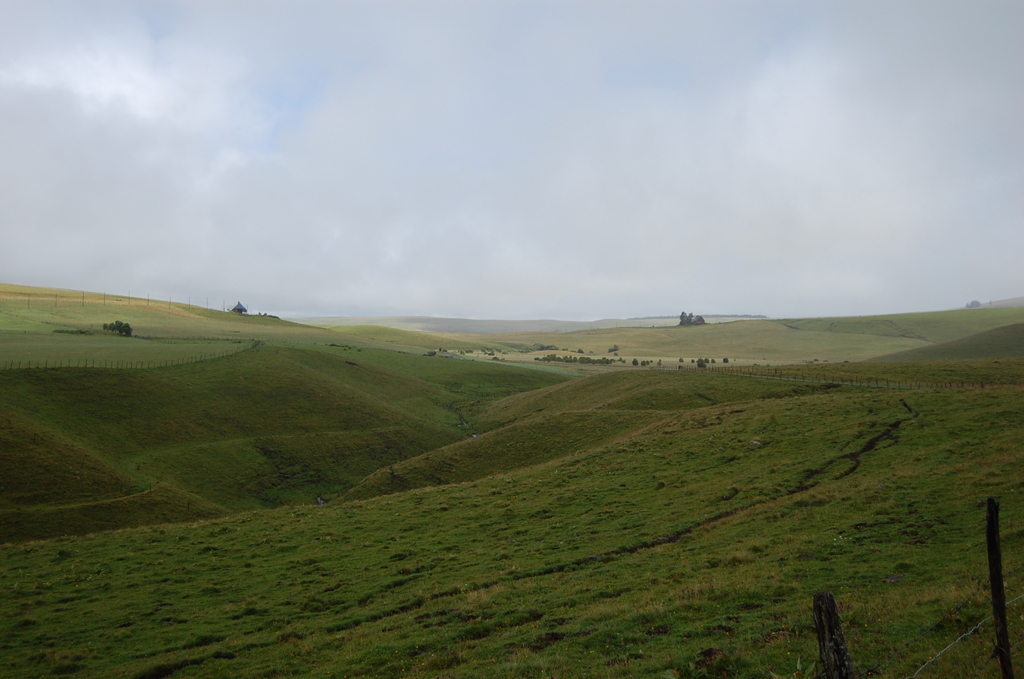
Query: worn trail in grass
{"type": "Point", "coordinates": [678, 543]}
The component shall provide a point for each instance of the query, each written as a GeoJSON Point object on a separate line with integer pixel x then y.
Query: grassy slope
{"type": "Point", "coordinates": [416, 340]}
{"type": "Point", "coordinates": [624, 560]}
{"type": "Point", "coordinates": [42, 331]}
{"type": "Point", "coordinates": [743, 340]}
{"type": "Point", "coordinates": [833, 339]}
{"type": "Point", "coordinates": [266, 426]}
{"type": "Point", "coordinates": [933, 327]}
{"type": "Point", "coordinates": [1003, 342]}
{"type": "Point", "coordinates": [568, 418]}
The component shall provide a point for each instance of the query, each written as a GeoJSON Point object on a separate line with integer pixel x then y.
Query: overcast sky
{"type": "Point", "coordinates": [572, 160]}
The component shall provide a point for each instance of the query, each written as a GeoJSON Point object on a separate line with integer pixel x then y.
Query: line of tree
{"type": "Point", "coordinates": [576, 359]}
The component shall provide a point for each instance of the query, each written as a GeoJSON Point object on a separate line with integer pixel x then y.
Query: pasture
{"type": "Point", "coordinates": [482, 519]}
{"type": "Point", "coordinates": [675, 547]}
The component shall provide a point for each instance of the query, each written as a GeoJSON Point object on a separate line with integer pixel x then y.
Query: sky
{"type": "Point", "coordinates": [517, 160]}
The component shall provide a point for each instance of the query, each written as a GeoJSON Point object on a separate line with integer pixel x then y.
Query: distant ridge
{"type": "Point", "coordinates": [496, 327]}
{"type": "Point", "coordinates": [1012, 303]}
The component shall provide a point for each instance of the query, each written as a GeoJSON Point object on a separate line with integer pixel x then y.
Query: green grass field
{"type": "Point", "coordinates": [66, 327]}
{"type": "Point", "coordinates": [483, 519]}
{"type": "Point", "coordinates": [743, 342]}
{"type": "Point", "coordinates": [262, 427]}
{"type": "Point", "coordinates": [1002, 342]}
{"type": "Point", "coordinates": [677, 547]}
{"type": "Point", "coordinates": [934, 327]}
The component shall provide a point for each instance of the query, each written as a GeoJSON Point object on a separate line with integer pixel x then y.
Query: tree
{"type": "Point", "coordinates": [725, 360]}
{"type": "Point", "coordinates": [123, 329]}
{"type": "Point", "coordinates": [636, 362]}
{"type": "Point", "coordinates": [700, 362]}
{"type": "Point", "coordinates": [685, 319]}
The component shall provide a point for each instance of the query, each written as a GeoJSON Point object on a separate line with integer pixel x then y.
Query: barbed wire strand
{"type": "Point", "coordinates": [992, 656]}
{"type": "Point", "coordinates": [931, 628]}
{"type": "Point", "coordinates": [959, 639]}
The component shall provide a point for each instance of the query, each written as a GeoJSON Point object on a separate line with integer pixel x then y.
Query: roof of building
{"type": "Point", "coordinates": [238, 307]}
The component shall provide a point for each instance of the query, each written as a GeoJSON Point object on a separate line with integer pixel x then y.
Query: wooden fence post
{"type": "Point", "coordinates": [835, 658]}
{"type": "Point", "coordinates": [995, 575]}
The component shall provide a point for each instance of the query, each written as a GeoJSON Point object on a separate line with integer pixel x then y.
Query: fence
{"type": "Point", "coordinates": [124, 364]}
{"type": "Point", "coordinates": [834, 653]}
{"type": "Point", "coordinates": [78, 298]}
{"type": "Point", "coordinates": [795, 375]}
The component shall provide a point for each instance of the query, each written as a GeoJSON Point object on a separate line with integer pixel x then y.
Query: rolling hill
{"type": "Point", "coordinates": [92, 449]}
{"type": "Point", "coordinates": [1002, 342]}
{"type": "Point", "coordinates": [687, 547]}
{"type": "Point", "coordinates": [485, 520]}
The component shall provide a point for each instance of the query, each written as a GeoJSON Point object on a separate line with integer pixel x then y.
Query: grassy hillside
{"type": "Point", "coordinates": [572, 417]}
{"type": "Point", "coordinates": [66, 327]}
{"type": "Point", "coordinates": [679, 547]}
{"type": "Point", "coordinates": [267, 426]}
{"type": "Point", "coordinates": [744, 341]}
{"type": "Point", "coordinates": [61, 325]}
{"type": "Point", "coordinates": [933, 326]}
{"type": "Point", "coordinates": [636, 522]}
{"type": "Point", "coordinates": [1003, 342]}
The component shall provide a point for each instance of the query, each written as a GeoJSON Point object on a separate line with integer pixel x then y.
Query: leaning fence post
{"type": "Point", "coordinates": [835, 658]}
{"type": "Point", "coordinates": [995, 575]}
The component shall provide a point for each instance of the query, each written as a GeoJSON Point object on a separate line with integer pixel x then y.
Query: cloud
{"type": "Point", "coordinates": [517, 160]}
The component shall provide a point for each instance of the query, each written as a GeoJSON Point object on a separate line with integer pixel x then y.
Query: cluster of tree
{"type": "Point", "coordinates": [542, 347]}
{"type": "Point", "coordinates": [645, 363]}
{"type": "Point", "coordinates": [613, 349]}
{"type": "Point", "coordinates": [577, 359]}
{"type": "Point", "coordinates": [120, 328]}
{"type": "Point", "coordinates": [685, 319]}
{"type": "Point", "coordinates": [974, 304]}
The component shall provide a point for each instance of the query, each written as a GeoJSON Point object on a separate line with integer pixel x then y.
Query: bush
{"type": "Point", "coordinates": [725, 360]}
{"type": "Point", "coordinates": [123, 329]}
{"type": "Point", "coordinates": [636, 362]}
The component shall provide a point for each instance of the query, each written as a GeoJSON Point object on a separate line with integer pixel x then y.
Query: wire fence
{"type": "Point", "coordinates": [950, 616]}
{"type": "Point", "coordinates": [134, 364]}
{"type": "Point", "coordinates": [821, 378]}
{"type": "Point", "coordinates": [77, 298]}
{"type": "Point", "coordinates": [974, 630]}
{"type": "Point", "coordinates": [955, 658]}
